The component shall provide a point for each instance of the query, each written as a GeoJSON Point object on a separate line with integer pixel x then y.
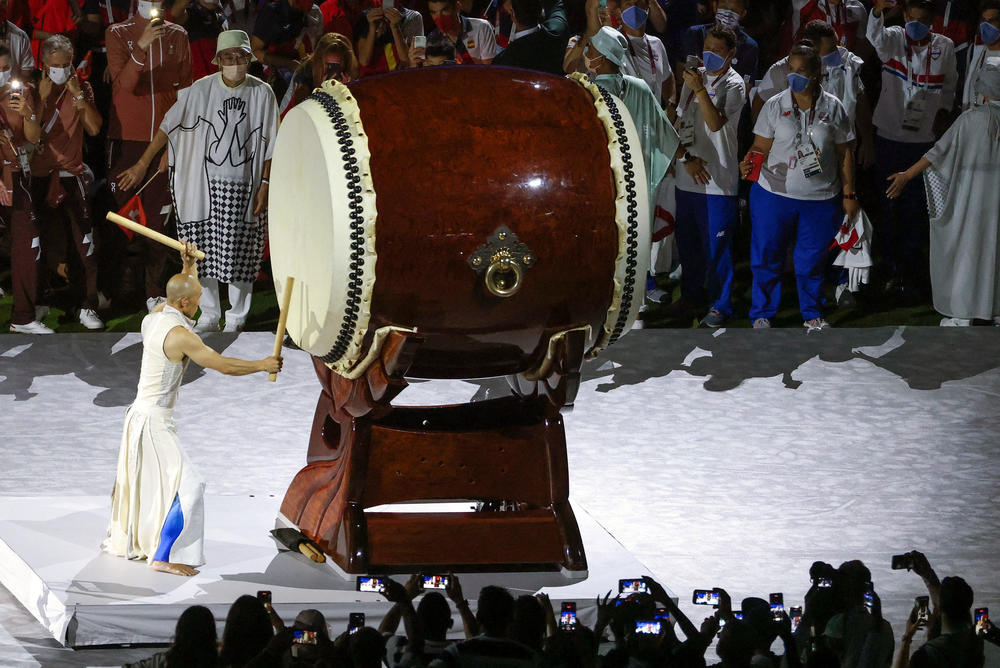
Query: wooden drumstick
{"type": "Point", "coordinates": [279, 335]}
{"type": "Point", "coordinates": [146, 232]}
{"type": "Point", "coordinates": [311, 552]}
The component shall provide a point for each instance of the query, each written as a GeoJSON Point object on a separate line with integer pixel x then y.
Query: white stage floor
{"type": "Point", "coordinates": [730, 458]}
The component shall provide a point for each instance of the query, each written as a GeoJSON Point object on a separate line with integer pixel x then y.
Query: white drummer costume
{"type": "Point", "coordinates": [157, 508]}
{"type": "Point", "coordinates": [221, 137]}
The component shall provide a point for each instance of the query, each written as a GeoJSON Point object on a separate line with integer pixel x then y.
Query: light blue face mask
{"type": "Point", "coordinates": [832, 59]}
{"type": "Point", "coordinates": [916, 30]}
{"type": "Point", "coordinates": [635, 17]}
{"type": "Point", "coordinates": [988, 32]}
{"type": "Point", "coordinates": [797, 82]}
{"type": "Point", "coordinates": [713, 61]}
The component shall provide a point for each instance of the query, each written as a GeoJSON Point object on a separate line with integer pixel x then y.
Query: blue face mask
{"type": "Point", "coordinates": [713, 61]}
{"type": "Point", "coordinates": [916, 30]}
{"type": "Point", "coordinates": [635, 17]}
{"type": "Point", "coordinates": [988, 32]}
{"type": "Point", "coordinates": [832, 59]}
{"type": "Point", "coordinates": [797, 82]}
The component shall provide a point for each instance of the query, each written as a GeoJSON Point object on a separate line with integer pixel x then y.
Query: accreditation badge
{"type": "Point", "coordinates": [913, 113]}
{"type": "Point", "coordinates": [807, 158]}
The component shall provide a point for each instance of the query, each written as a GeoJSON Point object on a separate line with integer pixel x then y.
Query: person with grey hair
{"type": "Point", "coordinates": [961, 172]}
{"type": "Point", "coordinates": [59, 178]}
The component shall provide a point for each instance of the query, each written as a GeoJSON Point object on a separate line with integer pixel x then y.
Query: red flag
{"type": "Point", "coordinates": [134, 211]}
{"type": "Point", "coordinates": [83, 69]}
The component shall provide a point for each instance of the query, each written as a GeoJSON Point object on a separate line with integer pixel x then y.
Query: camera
{"type": "Point", "coordinates": [419, 42]}
{"type": "Point", "coordinates": [824, 583]}
{"type": "Point", "coordinates": [923, 613]}
{"type": "Point", "coordinates": [371, 584]}
{"type": "Point", "coordinates": [435, 582]}
{"type": "Point", "coordinates": [982, 620]}
{"type": "Point", "coordinates": [902, 562]}
{"type": "Point", "coordinates": [632, 586]}
{"type": "Point", "coordinates": [154, 17]}
{"type": "Point", "coordinates": [705, 597]}
{"type": "Point", "coordinates": [647, 626]}
{"type": "Point", "coordinates": [15, 89]}
{"type": "Point", "coordinates": [795, 613]}
{"type": "Point", "coordinates": [869, 597]}
{"type": "Point", "coordinates": [691, 63]}
{"type": "Point", "coordinates": [264, 597]}
{"type": "Point", "coordinates": [567, 615]}
{"type": "Point", "coordinates": [355, 622]}
{"type": "Point", "coordinates": [777, 605]}
{"type": "Point", "coordinates": [304, 637]}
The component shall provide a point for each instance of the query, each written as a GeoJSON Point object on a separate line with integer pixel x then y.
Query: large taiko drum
{"type": "Point", "coordinates": [487, 210]}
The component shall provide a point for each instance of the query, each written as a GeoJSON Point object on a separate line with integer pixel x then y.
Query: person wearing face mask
{"type": "Point", "coordinates": [157, 506]}
{"type": "Point", "coordinates": [805, 187]}
{"type": "Point", "coordinates": [380, 43]}
{"type": "Point", "coordinates": [149, 60]}
{"type": "Point", "coordinates": [17, 41]}
{"type": "Point", "coordinates": [19, 126]}
{"type": "Point", "coordinates": [961, 173]}
{"type": "Point", "coordinates": [646, 52]}
{"type": "Point", "coordinates": [333, 59]}
{"type": "Point", "coordinates": [985, 51]}
{"type": "Point", "coordinates": [919, 79]}
{"type": "Point", "coordinates": [605, 56]}
{"type": "Point", "coordinates": [538, 43]}
{"type": "Point", "coordinates": [474, 39]}
{"type": "Point", "coordinates": [848, 18]}
{"type": "Point", "coordinates": [221, 134]}
{"type": "Point", "coordinates": [728, 13]}
{"type": "Point", "coordinates": [59, 179]}
{"type": "Point", "coordinates": [598, 16]}
{"type": "Point", "coordinates": [706, 189]}
{"type": "Point", "coordinates": [203, 20]}
{"type": "Point", "coordinates": [841, 78]}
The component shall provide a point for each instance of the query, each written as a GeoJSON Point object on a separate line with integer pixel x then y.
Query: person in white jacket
{"type": "Point", "coordinates": [919, 79]}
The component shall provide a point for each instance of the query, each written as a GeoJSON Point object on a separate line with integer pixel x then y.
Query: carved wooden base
{"type": "Point", "coordinates": [509, 454]}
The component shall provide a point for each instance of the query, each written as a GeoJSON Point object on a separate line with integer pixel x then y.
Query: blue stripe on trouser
{"type": "Point", "coordinates": [704, 228]}
{"type": "Point", "coordinates": [172, 526]}
{"type": "Point", "coordinates": [776, 221]}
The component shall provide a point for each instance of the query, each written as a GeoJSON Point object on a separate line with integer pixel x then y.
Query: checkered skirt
{"type": "Point", "coordinates": [233, 247]}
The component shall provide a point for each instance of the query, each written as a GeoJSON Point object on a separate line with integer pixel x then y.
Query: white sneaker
{"type": "Point", "coordinates": [206, 326]}
{"type": "Point", "coordinates": [41, 312]}
{"type": "Point", "coordinates": [815, 325]}
{"type": "Point", "coordinates": [762, 323]}
{"type": "Point", "coordinates": [996, 321]}
{"type": "Point", "coordinates": [153, 302]}
{"type": "Point", "coordinates": [89, 319]}
{"type": "Point", "coordinates": [33, 327]}
{"type": "Point", "coordinates": [955, 322]}
{"type": "Point", "coordinates": [657, 296]}
{"type": "Point", "coordinates": [233, 329]}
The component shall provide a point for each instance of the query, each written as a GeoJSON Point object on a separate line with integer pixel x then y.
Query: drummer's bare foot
{"type": "Point", "coordinates": [175, 569]}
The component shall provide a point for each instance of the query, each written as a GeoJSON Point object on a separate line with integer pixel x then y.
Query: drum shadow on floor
{"type": "Point", "coordinates": [107, 361]}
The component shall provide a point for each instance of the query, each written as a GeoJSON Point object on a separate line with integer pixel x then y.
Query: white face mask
{"type": "Point", "coordinates": [234, 73]}
{"type": "Point", "coordinates": [145, 8]}
{"type": "Point", "coordinates": [4, 77]}
{"type": "Point", "coordinates": [60, 75]}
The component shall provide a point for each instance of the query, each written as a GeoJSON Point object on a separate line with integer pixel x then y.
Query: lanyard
{"type": "Point", "coordinates": [649, 47]}
{"type": "Point", "coordinates": [798, 121]}
{"type": "Point", "coordinates": [912, 77]}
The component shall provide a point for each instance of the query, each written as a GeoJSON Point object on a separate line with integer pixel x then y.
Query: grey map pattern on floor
{"type": "Point", "coordinates": [731, 458]}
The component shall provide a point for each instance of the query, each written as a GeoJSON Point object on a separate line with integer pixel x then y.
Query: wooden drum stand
{"type": "Point", "coordinates": [508, 454]}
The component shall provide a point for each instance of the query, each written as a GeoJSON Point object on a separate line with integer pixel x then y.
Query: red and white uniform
{"type": "Point", "coordinates": [846, 16]}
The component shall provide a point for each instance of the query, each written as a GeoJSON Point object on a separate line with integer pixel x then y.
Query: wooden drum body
{"type": "Point", "coordinates": [452, 223]}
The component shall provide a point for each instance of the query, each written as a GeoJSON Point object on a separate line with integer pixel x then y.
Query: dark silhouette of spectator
{"type": "Point", "coordinates": [246, 634]}
{"type": "Point", "coordinates": [194, 643]}
{"type": "Point", "coordinates": [957, 645]}
{"type": "Point", "coordinates": [366, 647]}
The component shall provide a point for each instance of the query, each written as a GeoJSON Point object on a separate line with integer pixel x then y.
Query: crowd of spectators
{"type": "Point", "coordinates": [840, 625]}
{"type": "Point", "coordinates": [802, 121]}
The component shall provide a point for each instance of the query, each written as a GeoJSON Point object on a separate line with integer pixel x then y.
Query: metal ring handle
{"type": "Point", "coordinates": [503, 277]}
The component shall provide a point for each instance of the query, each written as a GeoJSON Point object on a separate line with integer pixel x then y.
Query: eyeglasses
{"type": "Point", "coordinates": [234, 58]}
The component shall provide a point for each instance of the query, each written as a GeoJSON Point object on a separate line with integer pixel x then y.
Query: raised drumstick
{"type": "Point", "coordinates": [146, 232]}
{"type": "Point", "coordinates": [279, 335]}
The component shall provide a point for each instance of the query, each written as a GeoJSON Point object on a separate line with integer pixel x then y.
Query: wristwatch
{"type": "Point", "coordinates": [687, 157]}
{"type": "Point", "coordinates": [850, 195]}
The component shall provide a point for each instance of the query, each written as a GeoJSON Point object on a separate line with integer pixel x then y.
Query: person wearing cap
{"type": "Point", "coordinates": [149, 61]}
{"type": "Point", "coordinates": [221, 135]}
{"type": "Point", "coordinates": [961, 173]}
{"type": "Point", "coordinates": [605, 58]}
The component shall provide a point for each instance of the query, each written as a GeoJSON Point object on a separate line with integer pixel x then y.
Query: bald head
{"type": "Point", "coordinates": [181, 286]}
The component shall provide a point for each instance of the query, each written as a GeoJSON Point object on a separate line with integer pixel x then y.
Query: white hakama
{"type": "Point", "coordinates": [963, 200]}
{"type": "Point", "coordinates": [157, 508]}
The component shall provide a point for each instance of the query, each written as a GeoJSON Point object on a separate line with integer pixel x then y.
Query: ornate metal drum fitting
{"type": "Point", "coordinates": [502, 261]}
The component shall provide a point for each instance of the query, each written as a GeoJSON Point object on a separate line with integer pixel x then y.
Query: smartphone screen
{"type": "Point", "coordinates": [738, 614]}
{"type": "Point", "coordinates": [567, 615]}
{"type": "Point", "coordinates": [662, 615]}
{"type": "Point", "coordinates": [795, 614]}
{"type": "Point", "coordinates": [419, 42]}
{"type": "Point", "coordinates": [632, 586]}
{"type": "Point", "coordinates": [371, 584]}
{"type": "Point", "coordinates": [304, 637]}
{"type": "Point", "coordinates": [647, 626]}
{"type": "Point", "coordinates": [923, 613]}
{"type": "Point", "coordinates": [355, 621]}
{"type": "Point", "coordinates": [982, 621]}
{"type": "Point", "coordinates": [436, 582]}
{"type": "Point", "coordinates": [705, 597]}
{"type": "Point", "coordinates": [777, 604]}
{"type": "Point", "coordinates": [824, 583]}
{"type": "Point", "coordinates": [869, 598]}
{"type": "Point", "coordinates": [264, 597]}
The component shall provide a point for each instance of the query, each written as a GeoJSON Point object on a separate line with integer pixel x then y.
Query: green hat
{"type": "Point", "coordinates": [229, 39]}
{"type": "Point", "coordinates": [611, 44]}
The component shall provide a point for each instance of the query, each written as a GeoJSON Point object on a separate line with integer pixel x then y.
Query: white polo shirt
{"type": "Point", "coordinates": [718, 149]}
{"type": "Point", "coordinates": [21, 60]}
{"type": "Point", "coordinates": [779, 121]}
{"type": "Point", "coordinates": [649, 62]}
{"type": "Point", "coordinates": [842, 81]}
{"type": "Point", "coordinates": [479, 39]}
